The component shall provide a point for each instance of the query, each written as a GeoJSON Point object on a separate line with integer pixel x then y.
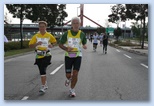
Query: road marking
{"type": "Point", "coordinates": [53, 72]}
{"type": "Point", "coordinates": [127, 56]}
{"type": "Point", "coordinates": [117, 50]}
{"type": "Point", "coordinates": [25, 98]}
{"type": "Point", "coordinates": [8, 60]}
{"type": "Point", "coordinates": [144, 65]}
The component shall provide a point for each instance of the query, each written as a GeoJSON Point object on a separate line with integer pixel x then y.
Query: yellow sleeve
{"type": "Point", "coordinates": [52, 39]}
{"type": "Point", "coordinates": [33, 40]}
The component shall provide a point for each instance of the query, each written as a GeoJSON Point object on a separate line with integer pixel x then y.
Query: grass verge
{"type": "Point", "coordinates": [15, 52]}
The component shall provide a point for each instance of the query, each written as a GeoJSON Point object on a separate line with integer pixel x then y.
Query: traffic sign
{"type": "Point", "coordinates": [109, 30]}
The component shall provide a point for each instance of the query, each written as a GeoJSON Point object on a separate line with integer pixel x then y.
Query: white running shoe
{"type": "Point", "coordinates": [72, 93]}
{"type": "Point", "coordinates": [43, 88]}
{"type": "Point", "coordinates": [67, 82]}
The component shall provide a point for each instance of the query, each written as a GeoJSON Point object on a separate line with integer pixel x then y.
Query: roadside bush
{"type": "Point", "coordinates": [117, 42]}
{"type": "Point", "coordinates": [126, 43]}
{"type": "Point", "coordinates": [15, 45]}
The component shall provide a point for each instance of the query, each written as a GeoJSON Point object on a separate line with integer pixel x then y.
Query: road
{"type": "Point", "coordinates": [115, 76]}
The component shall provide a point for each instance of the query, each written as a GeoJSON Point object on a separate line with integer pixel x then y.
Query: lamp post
{"type": "Point", "coordinates": [124, 30]}
{"type": "Point", "coordinates": [62, 25]}
{"type": "Point", "coordinates": [60, 20]}
{"type": "Point", "coordinates": [77, 10]}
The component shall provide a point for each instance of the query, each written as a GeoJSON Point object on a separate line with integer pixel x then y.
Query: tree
{"type": "Point", "coordinates": [19, 11]}
{"type": "Point", "coordinates": [7, 26]}
{"type": "Point", "coordinates": [117, 14]}
{"type": "Point", "coordinates": [138, 12]}
{"type": "Point", "coordinates": [54, 14]}
{"type": "Point", "coordinates": [100, 30]}
{"type": "Point", "coordinates": [37, 12]}
{"type": "Point", "coordinates": [62, 14]}
{"type": "Point", "coordinates": [136, 30]}
{"type": "Point", "coordinates": [117, 32]}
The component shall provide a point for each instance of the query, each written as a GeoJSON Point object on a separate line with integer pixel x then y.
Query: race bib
{"type": "Point", "coordinates": [40, 53]}
{"type": "Point", "coordinates": [72, 54]}
{"type": "Point", "coordinates": [74, 43]}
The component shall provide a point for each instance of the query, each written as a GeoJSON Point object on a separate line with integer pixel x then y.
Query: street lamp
{"type": "Point", "coordinates": [60, 20]}
{"type": "Point", "coordinates": [62, 25]}
{"type": "Point", "coordinates": [124, 26]}
{"type": "Point", "coordinates": [77, 10]}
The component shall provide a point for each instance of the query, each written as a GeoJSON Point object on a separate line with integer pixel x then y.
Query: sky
{"type": "Point", "coordinates": [97, 12]}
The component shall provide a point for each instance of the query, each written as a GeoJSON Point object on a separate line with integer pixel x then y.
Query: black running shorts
{"type": "Point", "coordinates": [42, 64]}
{"type": "Point", "coordinates": [95, 44]}
{"type": "Point", "coordinates": [72, 63]}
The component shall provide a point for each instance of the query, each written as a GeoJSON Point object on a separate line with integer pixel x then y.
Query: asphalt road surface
{"type": "Point", "coordinates": [115, 76]}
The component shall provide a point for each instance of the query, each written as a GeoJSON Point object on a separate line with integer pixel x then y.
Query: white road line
{"type": "Point", "coordinates": [127, 56]}
{"type": "Point", "coordinates": [25, 98]}
{"type": "Point", "coordinates": [53, 72]}
{"type": "Point", "coordinates": [117, 50]}
{"type": "Point", "coordinates": [144, 65]}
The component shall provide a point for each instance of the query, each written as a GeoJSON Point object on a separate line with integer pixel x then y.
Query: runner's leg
{"type": "Point", "coordinates": [76, 68]}
{"type": "Point", "coordinates": [74, 78]}
{"type": "Point", "coordinates": [68, 69]}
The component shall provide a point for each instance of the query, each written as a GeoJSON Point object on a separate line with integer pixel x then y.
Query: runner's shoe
{"type": "Point", "coordinates": [67, 82]}
{"type": "Point", "coordinates": [43, 88]}
{"type": "Point", "coordinates": [72, 93]}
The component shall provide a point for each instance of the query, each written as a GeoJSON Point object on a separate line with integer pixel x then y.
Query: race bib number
{"type": "Point", "coordinates": [74, 42]}
{"type": "Point", "coordinates": [72, 54]}
{"type": "Point", "coordinates": [44, 41]}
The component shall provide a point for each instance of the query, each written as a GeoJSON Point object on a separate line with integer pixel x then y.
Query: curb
{"type": "Point", "coordinates": [131, 51]}
{"type": "Point", "coordinates": [21, 54]}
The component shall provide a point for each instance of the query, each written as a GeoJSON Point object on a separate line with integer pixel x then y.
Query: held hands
{"type": "Point", "coordinates": [38, 43]}
{"type": "Point", "coordinates": [69, 49]}
{"type": "Point", "coordinates": [84, 46]}
{"type": "Point", "coordinates": [50, 46]}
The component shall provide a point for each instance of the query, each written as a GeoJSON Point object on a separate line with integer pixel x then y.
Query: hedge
{"type": "Point", "coordinates": [15, 45]}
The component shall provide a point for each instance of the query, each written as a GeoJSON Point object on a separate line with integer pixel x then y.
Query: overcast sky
{"type": "Point", "coordinates": [97, 12]}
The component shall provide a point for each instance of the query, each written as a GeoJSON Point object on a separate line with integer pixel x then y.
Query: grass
{"type": "Point", "coordinates": [15, 52]}
{"type": "Point", "coordinates": [19, 51]}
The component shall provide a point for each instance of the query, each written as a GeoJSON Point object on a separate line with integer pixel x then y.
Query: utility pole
{"type": "Point", "coordinates": [143, 35]}
{"type": "Point", "coordinates": [144, 16]}
{"type": "Point", "coordinates": [21, 26]}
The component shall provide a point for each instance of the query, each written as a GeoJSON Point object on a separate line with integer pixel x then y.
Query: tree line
{"type": "Point", "coordinates": [53, 14]}
{"type": "Point", "coordinates": [124, 12]}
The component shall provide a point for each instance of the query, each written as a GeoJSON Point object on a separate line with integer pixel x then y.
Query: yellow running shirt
{"type": "Point", "coordinates": [46, 39]}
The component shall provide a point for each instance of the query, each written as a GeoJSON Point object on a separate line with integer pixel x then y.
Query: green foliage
{"type": "Point", "coordinates": [36, 12]}
{"type": "Point", "coordinates": [117, 14]}
{"type": "Point", "coordinates": [136, 11]}
{"type": "Point", "coordinates": [126, 43]}
{"type": "Point", "coordinates": [136, 31]}
{"type": "Point", "coordinates": [101, 30]}
{"type": "Point", "coordinates": [117, 42]}
{"type": "Point", "coordinates": [62, 14]}
{"type": "Point", "coordinates": [128, 11]}
{"type": "Point", "coordinates": [117, 32]}
{"type": "Point", "coordinates": [15, 45]}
